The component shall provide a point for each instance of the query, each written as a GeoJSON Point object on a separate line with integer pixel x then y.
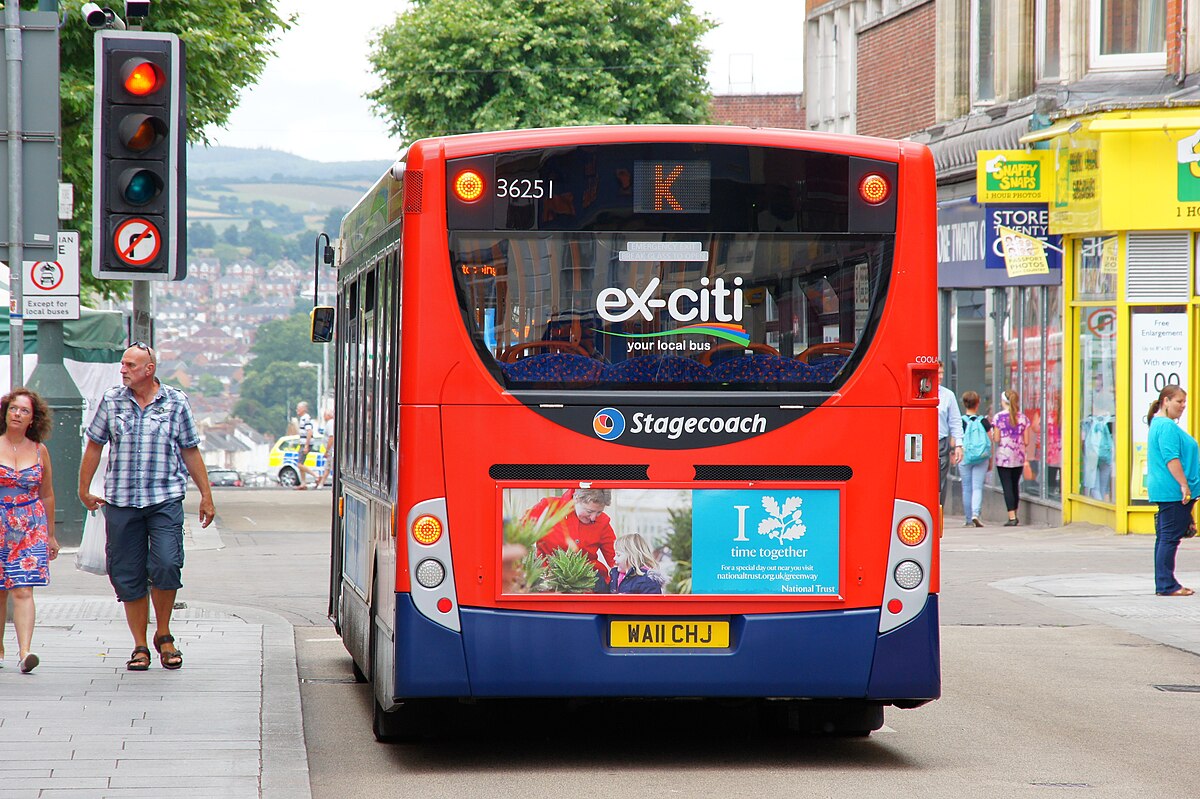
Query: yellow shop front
{"type": "Point", "coordinates": [1126, 200]}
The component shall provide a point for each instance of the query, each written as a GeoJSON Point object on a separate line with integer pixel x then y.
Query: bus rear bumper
{"type": "Point", "coordinates": [504, 653]}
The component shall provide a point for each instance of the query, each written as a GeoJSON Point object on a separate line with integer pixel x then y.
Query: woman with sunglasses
{"type": "Point", "coordinates": [26, 513]}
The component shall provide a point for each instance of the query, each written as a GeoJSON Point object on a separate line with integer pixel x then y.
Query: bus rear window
{"type": "Point", "coordinates": [678, 311]}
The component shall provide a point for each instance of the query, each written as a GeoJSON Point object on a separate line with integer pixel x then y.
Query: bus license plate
{"type": "Point", "coordinates": [659, 633]}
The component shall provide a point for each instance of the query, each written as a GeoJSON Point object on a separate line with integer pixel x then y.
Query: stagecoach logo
{"type": "Point", "coordinates": [714, 310]}
{"type": "Point", "coordinates": [609, 424]}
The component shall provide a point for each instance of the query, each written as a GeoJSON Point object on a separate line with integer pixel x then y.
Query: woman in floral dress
{"type": "Point", "coordinates": [1011, 432]}
{"type": "Point", "coordinates": [27, 542]}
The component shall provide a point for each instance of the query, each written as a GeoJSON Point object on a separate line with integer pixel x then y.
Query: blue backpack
{"type": "Point", "coordinates": [976, 445]}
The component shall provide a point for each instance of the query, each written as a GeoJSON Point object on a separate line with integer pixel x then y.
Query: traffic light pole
{"type": "Point", "coordinates": [142, 325]}
{"type": "Point", "coordinates": [16, 222]}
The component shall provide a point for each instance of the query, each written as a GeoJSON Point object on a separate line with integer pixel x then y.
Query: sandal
{"type": "Point", "coordinates": [139, 660]}
{"type": "Point", "coordinates": [1181, 591]}
{"type": "Point", "coordinates": [172, 659]}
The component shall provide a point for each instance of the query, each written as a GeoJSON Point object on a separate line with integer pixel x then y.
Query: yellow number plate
{"type": "Point", "coordinates": [661, 633]}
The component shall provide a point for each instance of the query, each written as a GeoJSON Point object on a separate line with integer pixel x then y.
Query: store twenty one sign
{"type": "Point", "coordinates": [1014, 176]}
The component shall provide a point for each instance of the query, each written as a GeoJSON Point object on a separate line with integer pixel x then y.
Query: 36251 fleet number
{"type": "Point", "coordinates": [524, 188]}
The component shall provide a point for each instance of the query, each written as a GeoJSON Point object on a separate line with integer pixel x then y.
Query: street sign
{"type": "Point", "coordinates": [137, 241]}
{"type": "Point", "coordinates": [51, 288]}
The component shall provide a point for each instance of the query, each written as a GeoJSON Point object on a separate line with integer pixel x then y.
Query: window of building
{"type": "Point", "coordinates": [983, 51]}
{"type": "Point", "coordinates": [1127, 34]}
{"type": "Point", "coordinates": [1049, 60]}
{"type": "Point", "coordinates": [1096, 264]}
{"type": "Point", "coordinates": [1094, 446]}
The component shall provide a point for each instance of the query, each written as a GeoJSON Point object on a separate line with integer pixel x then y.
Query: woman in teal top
{"type": "Point", "coordinates": [1173, 481]}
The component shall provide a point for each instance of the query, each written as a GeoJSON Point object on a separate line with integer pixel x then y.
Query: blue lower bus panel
{"type": "Point", "coordinates": [506, 653]}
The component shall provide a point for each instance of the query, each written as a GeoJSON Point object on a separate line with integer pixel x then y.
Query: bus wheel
{"type": "Point", "coordinates": [289, 477]}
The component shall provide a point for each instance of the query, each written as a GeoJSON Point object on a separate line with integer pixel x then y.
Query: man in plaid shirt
{"type": "Point", "coordinates": [153, 447]}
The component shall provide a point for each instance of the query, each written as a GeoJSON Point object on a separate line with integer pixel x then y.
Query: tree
{"type": "Point", "coordinates": [201, 236]}
{"type": "Point", "coordinates": [458, 66]}
{"type": "Point", "coordinates": [228, 45]}
{"type": "Point", "coordinates": [269, 396]}
{"type": "Point", "coordinates": [209, 385]}
{"type": "Point", "coordinates": [283, 341]}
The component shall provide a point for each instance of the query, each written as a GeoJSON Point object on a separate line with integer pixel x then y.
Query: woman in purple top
{"type": "Point", "coordinates": [1010, 431]}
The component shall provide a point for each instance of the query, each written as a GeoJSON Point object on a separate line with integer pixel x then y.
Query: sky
{"type": "Point", "coordinates": [310, 101]}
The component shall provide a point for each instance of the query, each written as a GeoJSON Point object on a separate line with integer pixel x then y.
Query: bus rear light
{"type": "Point", "coordinates": [468, 186]}
{"type": "Point", "coordinates": [908, 574]}
{"type": "Point", "coordinates": [444, 605]}
{"type": "Point", "coordinates": [427, 529]}
{"type": "Point", "coordinates": [912, 531]}
{"type": "Point", "coordinates": [895, 606]}
{"type": "Point", "coordinates": [430, 574]}
{"type": "Point", "coordinates": [874, 188]}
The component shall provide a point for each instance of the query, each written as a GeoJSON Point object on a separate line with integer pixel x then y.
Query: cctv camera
{"type": "Point", "coordinates": [137, 9]}
{"type": "Point", "coordinates": [95, 16]}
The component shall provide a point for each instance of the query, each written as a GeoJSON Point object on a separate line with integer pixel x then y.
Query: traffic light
{"type": "Point", "coordinates": [138, 152]}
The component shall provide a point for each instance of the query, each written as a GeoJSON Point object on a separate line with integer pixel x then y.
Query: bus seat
{"type": "Point", "coordinates": [825, 369]}
{"type": "Point", "coordinates": [658, 369]}
{"type": "Point", "coordinates": [554, 367]}
{"type": "Point", "coordinates": [761, 368]}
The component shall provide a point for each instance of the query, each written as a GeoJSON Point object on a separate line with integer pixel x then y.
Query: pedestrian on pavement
{"type": "Point", "coordinates": [976, 458]}
{"type": "Point", "coordinates": [1011, 432]}
{"type": "Point", "coordinates": [328, 432]}
{"type": "Point", "coordinates": [305, 424]}
{"type": "Point", "coordinates": [27, 542]}
{"type": "Point", "coordinates": [153, 448]}
{"type": "Point", "coordinates": [949, 424]}
{"type": "Point", "coordinates": [1173, 481]}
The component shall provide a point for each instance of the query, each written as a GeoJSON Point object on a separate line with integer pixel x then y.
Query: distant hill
{"type": "Point", "coordinates": [244, 165]}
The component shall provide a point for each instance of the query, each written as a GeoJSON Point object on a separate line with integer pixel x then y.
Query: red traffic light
{"type": "Point", "coordinates": [142, 78]}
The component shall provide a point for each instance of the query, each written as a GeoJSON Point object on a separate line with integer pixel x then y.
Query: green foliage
{"type": "Point", "coordinates": [531, 571]}
{"type": "Point", "coordinates": [457, 66]}
{"type": "Point", "coordinates": [519, 529]}
{"type": "Point", "coordinates": [209, 386]}
{"type": "Point", "coordinates": [269, 396]}
{"type": "Point", "coordinates": [273, 382]}
{"type": "Point", "coordinates": [569, 572]}
{"type": "Point", "coordinates": [228, 45]}
{"type": "Point", "coordinates": [680, 544]}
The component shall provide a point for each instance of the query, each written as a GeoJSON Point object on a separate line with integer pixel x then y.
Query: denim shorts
{"type": "Point", "coordinates": [144, 548]}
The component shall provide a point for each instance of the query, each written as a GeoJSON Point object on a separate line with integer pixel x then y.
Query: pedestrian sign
{"type": "Point", "coordinates": [137, 241]}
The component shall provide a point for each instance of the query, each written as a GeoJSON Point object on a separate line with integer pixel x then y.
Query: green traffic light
{"type": "Point", "coordinates": [141, 186]}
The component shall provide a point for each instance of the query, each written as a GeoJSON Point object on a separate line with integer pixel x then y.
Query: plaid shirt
{"type": "Point", "coordinates": [145, 466]}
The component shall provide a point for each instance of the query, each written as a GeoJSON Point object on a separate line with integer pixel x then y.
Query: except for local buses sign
{"type": "Point", "coordinates": [50, 289]}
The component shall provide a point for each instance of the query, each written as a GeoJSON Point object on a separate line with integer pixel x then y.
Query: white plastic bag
{"type": "Point", "coordinates": [91, 557]}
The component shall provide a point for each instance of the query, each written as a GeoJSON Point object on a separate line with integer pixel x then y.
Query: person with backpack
{"type": "Point", "coordinates": [976, 458]}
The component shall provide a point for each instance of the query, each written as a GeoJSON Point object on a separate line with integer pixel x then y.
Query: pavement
{"type": "Point", "coordinates": [229, 723]}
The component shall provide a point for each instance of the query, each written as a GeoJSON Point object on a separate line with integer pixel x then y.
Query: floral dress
{"type": "Point", "coordinates": [1010, 452]}
{"type": "Point", "coordinates": [24, 534]}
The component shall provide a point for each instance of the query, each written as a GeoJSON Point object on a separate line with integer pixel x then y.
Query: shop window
{"type": "Point", "coordinates": [1097, 401]}
{"type": "Point", "coordinates": [1049, 15]}
{"type": "Point", "coordinates": [1052, 407]}
{"type": "Point", "coordinates": [1158, 350]}
{"type": "Point", "coordinates": [1096, 267]}
{"type": "Point", "coordinates": [1128, 33]}
{"type": "Point", "coordinates": [1033, 385]}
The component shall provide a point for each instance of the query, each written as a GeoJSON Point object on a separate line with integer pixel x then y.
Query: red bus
{"type": "Point", "coordinates": [640, 411]}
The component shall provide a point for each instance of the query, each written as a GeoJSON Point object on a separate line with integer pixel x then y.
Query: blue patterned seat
{"type": "Point", "coordinates": [762, 368]}
{"type": "Point", "coordinates": [658, 369]}
{"type": "Point", "coordinates": [554, 367]}
{"type": "Point", "coordinates": [826, 369]}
